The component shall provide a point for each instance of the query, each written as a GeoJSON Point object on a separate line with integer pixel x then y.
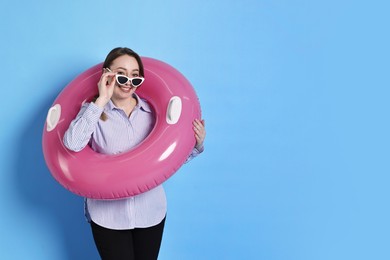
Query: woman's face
{"type": "Point", "coordinates": [128, 66]}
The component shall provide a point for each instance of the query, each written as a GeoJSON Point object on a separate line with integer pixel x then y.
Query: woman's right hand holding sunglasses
{"type": "Point", "coordinates": [106, 87]}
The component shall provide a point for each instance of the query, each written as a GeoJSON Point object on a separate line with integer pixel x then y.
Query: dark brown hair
{"type": "Point", "coordinates": [120, 51]}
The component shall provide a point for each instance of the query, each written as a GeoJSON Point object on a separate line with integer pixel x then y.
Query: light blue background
{"type": "Point", "coordinates": [295, 95]}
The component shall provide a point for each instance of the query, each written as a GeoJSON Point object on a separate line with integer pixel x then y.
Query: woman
{"type": "Point", "coordinates": [115, 122]}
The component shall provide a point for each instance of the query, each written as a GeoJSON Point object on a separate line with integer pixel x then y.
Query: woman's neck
{"type": "Point", "coordinates": [126, 105]}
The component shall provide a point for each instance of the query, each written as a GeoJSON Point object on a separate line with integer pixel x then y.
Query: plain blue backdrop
{"type": "Point", "coordinates": [295, 95]}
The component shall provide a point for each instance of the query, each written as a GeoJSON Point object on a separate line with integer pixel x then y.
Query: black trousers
{"type": "Point", "coordinates": [132, 244]}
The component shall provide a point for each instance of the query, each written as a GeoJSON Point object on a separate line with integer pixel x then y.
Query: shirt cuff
{"type": "Point", "coordinates": [199, 149]}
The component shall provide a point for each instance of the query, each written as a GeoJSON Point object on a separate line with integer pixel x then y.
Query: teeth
{"type": "Point", "coordinates": [125, 88]}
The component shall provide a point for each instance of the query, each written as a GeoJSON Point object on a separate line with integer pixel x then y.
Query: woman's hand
{"type": "Point", "coordinates": [106, 87]}
{"type": "Point", "coordinates": [200, 133]}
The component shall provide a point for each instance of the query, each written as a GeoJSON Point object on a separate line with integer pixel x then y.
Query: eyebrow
{"type": "Point", "coordinates": [126, 69]}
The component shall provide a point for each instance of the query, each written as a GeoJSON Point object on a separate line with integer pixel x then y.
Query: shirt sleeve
{"type": "Point", "coordinates": [195, 152]}
{"type": "Point", "coordinates": [82, 127]}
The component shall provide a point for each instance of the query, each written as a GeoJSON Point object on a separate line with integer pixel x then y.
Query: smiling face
{"type": "Point", "coordinates": [128, 66]}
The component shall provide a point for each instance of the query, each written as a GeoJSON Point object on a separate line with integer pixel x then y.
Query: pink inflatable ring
{"type": "Point", "coordinates": [158, 157]}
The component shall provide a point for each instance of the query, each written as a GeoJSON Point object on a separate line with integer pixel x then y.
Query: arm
{"type": "Point", "coordinates": [82, 127]}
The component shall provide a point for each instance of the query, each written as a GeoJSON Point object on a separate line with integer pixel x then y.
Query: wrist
{"type": "Point", "coordinates": [199, 147]}
{"type": "Point", "coordinates": [101, 102]}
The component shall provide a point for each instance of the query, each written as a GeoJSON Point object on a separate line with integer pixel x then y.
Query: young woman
{"type": "Point", "coordinates": [115, 122]}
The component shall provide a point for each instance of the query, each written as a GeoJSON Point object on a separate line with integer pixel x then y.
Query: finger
{"type": "Point", "coordinates": [107, 80]}
{"type": "Point", "coordinates": [107, 74]}
{"type": "Point", "coordinates": [199, 134]}
{"type": "Point", "coordinates": [197, 123]}
{"type": "Point", "coordinates": [198, 128]}
{"type": "Point", "coordinates": [199, 140]}
{"type": "Point", "coordinates": [112, 81]}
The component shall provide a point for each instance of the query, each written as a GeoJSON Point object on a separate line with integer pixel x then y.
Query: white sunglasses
{"type": "Point", "coordinates": [122, 80]}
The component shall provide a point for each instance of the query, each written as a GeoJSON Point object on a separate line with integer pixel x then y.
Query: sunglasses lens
{"type": "Point", "coordinates": [136, 82]}
{"type": "Point", "coordinates": [122, 80]}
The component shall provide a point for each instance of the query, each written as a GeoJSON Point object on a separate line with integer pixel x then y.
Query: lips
{"type": "Point", "coordinates": [125, 88]}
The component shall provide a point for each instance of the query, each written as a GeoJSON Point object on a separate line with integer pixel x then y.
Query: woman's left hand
{"type": "Point", "coordinates": [200, 132]}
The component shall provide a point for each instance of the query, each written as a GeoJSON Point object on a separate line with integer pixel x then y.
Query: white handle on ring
{"type": "Point", "coordinates": [53, 116]}
{"type": "Point", "coordinates": [174, 110]}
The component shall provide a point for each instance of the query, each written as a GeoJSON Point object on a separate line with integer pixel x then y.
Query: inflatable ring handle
{"type": "Point", "coordinates": [174, 110]}
{"type": "Point", "coordinates": [53, 116]}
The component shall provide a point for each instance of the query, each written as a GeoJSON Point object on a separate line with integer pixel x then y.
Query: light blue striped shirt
{"type": "Point", "coordinates": [118, 134]}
